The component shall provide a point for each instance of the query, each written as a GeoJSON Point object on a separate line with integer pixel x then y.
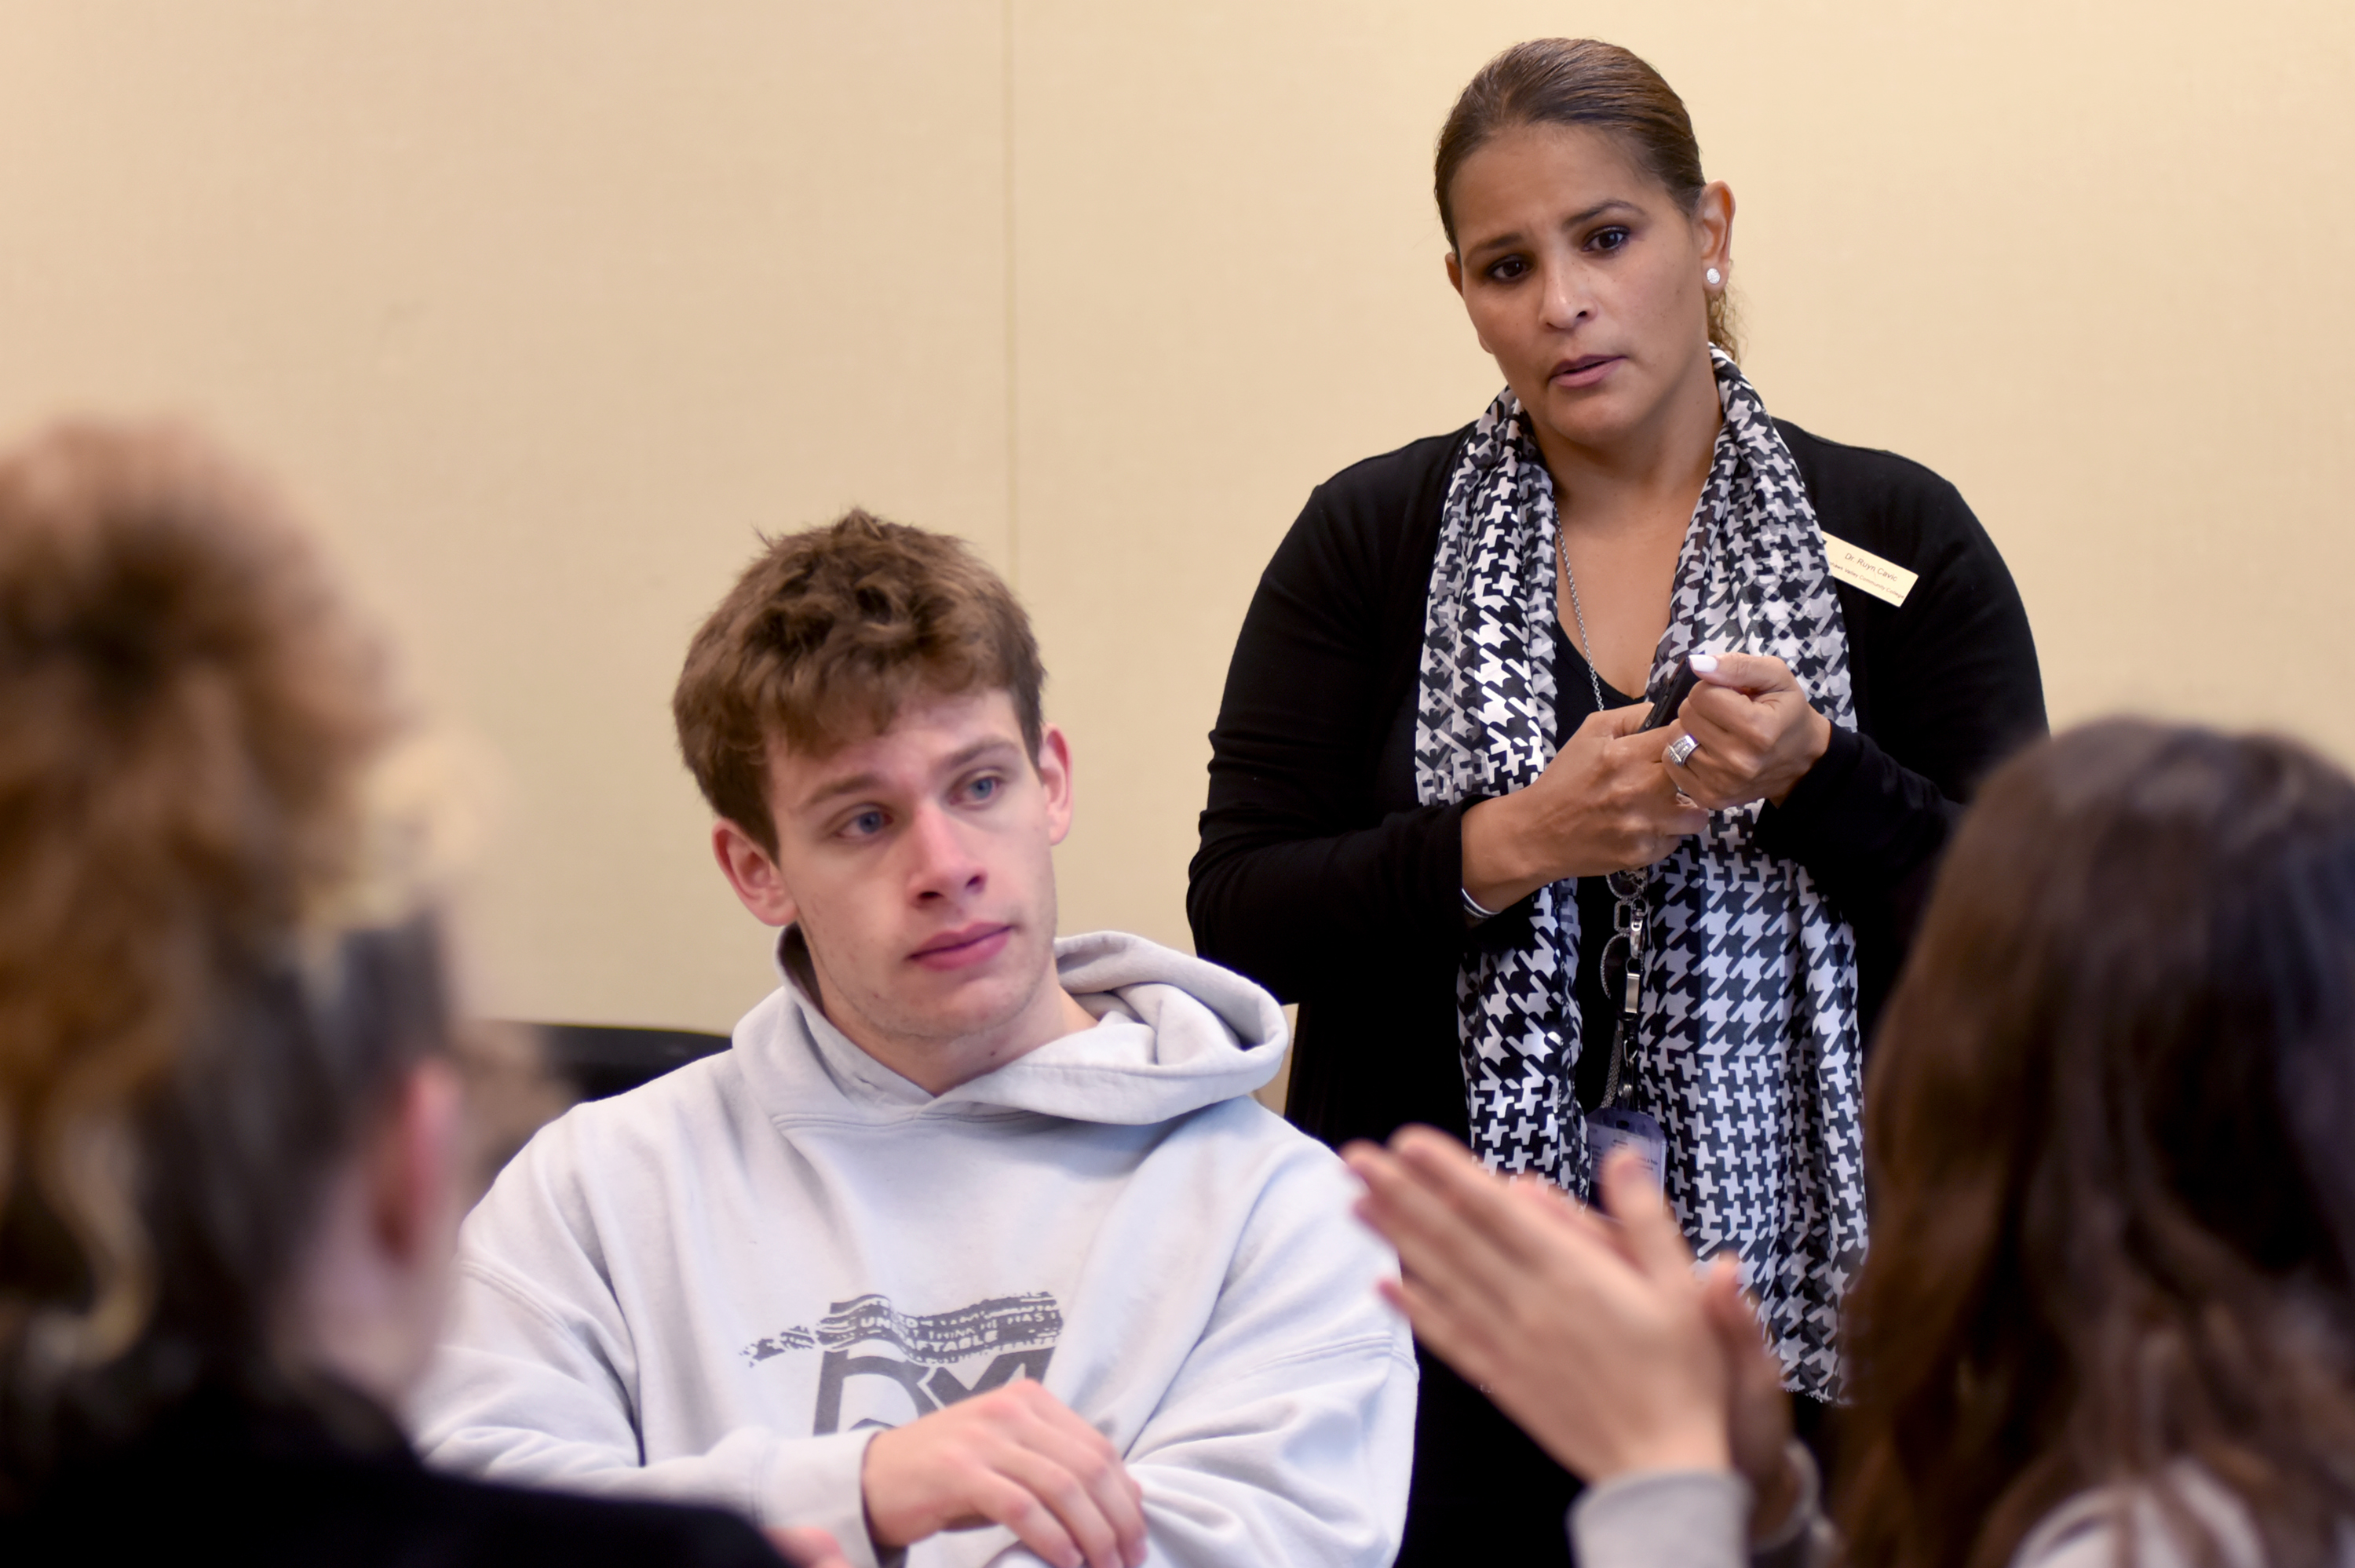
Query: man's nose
{"type": "Point", "coordinates": [943, 864]}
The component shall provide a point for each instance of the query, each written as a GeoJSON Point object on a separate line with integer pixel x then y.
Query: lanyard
{"type": "Point", "coordinates": [1630, 915]}
{"type": "Point", "coordinates": [1631, 919]}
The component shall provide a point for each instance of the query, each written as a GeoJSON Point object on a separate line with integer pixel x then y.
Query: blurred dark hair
{"type": "Point", "coordinates": [190, 1031]}
{"type": "Point", "coordinates": [2114, 1181]}
{"type": "Point", "coordinates": [1581, 82]}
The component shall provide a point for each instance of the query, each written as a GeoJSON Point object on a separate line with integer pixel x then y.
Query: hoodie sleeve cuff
{"type": "Point", "coordinates": [1802, 1536]}
{"type": "Point", "coordinates": [819, 1481]}
{"type": "Point", "coordinates": [1693, 1519]}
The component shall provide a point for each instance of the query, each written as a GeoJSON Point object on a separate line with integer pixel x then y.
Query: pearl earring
{"type": "Point", "coordinates": [1714, 277]}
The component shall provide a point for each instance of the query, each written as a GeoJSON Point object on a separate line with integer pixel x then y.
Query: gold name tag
{"type": "Point", "coordinates": [1863, 569]}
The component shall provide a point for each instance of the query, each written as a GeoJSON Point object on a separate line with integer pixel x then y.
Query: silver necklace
{"type": "Point", "coordinates": [1629, 916]}
{"type": "Point", "coordinates": [1562, 553]}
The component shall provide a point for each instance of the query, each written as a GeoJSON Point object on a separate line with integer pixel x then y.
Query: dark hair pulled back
{"type": "Point", "coordinates": [1582, 82]}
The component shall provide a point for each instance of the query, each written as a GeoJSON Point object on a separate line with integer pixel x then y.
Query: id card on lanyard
{"type": "Point", "coordinates": [1612, 1127]}
{"type": "Point", "coordinates": [1615, 1127]}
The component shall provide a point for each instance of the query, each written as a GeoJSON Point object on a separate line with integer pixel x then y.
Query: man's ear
{"type": "Point", "coordinates": [1055, 778]}
{"type": "Point", "coordinates": [414, 1180]}
{"type": "Point", "coordinates": [752, 871]}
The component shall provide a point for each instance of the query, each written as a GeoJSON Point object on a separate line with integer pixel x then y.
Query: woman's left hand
{"type": "Point", "coordinates": [1757, 735]}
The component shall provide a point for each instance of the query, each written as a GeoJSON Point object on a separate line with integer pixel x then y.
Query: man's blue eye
{"type": "Point", "coordinates": [983, 789]}
{"type": "Point", "coordinates": [867, 823]}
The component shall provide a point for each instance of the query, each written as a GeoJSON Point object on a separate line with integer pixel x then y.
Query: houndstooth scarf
{"type": "Point", "coordinates": [1747, 1053]}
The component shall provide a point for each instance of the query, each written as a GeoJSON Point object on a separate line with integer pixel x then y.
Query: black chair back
{"type": "Point", "coordinates": [600, 1059]}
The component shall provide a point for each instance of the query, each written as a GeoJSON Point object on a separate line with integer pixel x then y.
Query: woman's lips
{"type": "Point", "coordinates": [1584, 371]}
{"type": "Point", "coordinates": [962, 949]}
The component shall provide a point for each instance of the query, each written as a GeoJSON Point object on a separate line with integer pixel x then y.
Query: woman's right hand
{"type": "Point", "coordinates": [1605, 803]}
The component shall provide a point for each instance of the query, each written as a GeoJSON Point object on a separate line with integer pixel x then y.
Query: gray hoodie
{"type": "Point", "coordinates": [719, 1286]}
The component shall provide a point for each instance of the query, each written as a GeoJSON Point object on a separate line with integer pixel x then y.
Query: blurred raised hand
{"type": "Point", "coordinates": [1597, 1335]}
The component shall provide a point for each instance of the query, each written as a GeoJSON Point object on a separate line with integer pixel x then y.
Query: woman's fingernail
{"type": "Point", "coordinates": [1704, 663]}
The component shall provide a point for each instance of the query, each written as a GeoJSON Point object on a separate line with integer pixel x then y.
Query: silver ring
{"type": "Point", "coordinates": [1681, 749]}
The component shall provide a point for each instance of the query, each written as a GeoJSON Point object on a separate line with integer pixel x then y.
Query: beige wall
{"type": "Point", "coordinates": [545, 309]}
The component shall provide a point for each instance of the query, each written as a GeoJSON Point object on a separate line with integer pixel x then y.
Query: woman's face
{"type": "Point", "coordinates": [1587, 280]}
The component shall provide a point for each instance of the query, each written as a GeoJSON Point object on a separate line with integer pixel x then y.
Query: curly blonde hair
{"type": "Point", "coordinates": [186, 715]}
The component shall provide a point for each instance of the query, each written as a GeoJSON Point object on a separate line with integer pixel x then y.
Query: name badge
{"type": "Point", "coordinates": [1616, 1129]}
{"type": "Point", "coordinates": [1882, 579]}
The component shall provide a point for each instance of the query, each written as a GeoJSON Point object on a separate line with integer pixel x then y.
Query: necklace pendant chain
{"type": "Point", "coordinates": [1627, 886]}
{"type": "Point", "coordinates": [1577, 612]}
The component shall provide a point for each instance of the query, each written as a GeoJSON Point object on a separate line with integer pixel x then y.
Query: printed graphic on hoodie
{"type": "Point", "coordinates": [883, 1366]}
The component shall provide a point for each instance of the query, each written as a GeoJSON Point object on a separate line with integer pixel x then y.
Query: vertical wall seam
{"type": "Point", "coordinates": [1013, 425]}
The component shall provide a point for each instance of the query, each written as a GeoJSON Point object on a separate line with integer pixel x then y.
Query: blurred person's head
{"type": "Point", "coordinates": [2114, 1177]}
{"type": "Point", "coordinates": [862, 712]}
{"type": "Point", "coordinates": [228, 1132]}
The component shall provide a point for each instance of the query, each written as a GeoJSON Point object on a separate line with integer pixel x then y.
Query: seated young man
{"type": "Point", "coordinates": [973, 1228]}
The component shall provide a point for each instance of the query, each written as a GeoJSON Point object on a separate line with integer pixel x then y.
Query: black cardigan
{"type": "Point", "coordinates": [1321, 877]}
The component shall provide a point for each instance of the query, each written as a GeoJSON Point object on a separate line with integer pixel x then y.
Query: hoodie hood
{"type": "Point", "coordinates": [717, 1286]}
{"type": "Point", "coordinates": [1174, 1033]}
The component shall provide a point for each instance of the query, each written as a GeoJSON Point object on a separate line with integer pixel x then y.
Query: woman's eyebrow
{"type": "Point", "coordinates": [1506, 241]}
{"type": "Point", "coordinates": [1496, 242]}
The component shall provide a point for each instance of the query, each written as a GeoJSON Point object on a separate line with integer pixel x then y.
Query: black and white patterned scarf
{"type": "Point", "coordinates": [1747, 1054]}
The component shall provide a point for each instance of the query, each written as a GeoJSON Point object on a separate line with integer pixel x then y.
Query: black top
{"type": "Point", "coordinates": [1320, 876]}
{"type": "Point", "coordinates": [223, 1478]}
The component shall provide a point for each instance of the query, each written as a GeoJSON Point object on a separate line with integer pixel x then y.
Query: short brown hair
{"type": "Point", "coordinates": [1580, 82]}
{"type": "Point", "coordinates": [825, 635]}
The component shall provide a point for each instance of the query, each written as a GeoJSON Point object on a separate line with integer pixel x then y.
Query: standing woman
{"type": "Point", "coordinates": [1434, 822]}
